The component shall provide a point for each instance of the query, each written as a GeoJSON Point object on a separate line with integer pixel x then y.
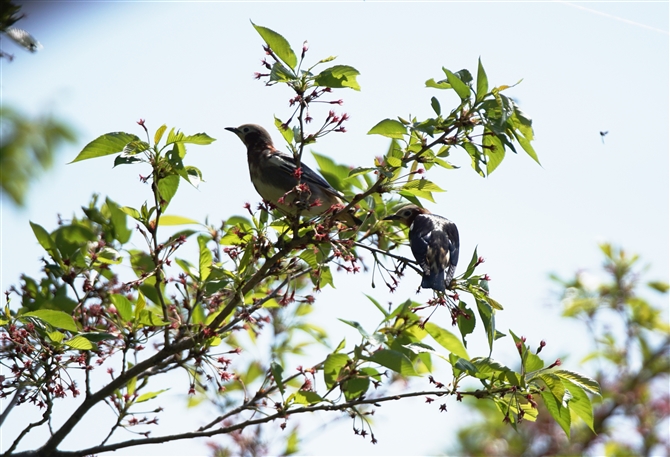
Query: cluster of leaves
{"type": "Point", "coordinates": [248, 283]}
{"type": "Point", "coordinates": [630, 356]}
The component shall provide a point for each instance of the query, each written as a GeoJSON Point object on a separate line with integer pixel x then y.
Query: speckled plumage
{"type": "Point", "coordinates": [434, 242]}
{"type": "Point", "coordinates": [273, 174]}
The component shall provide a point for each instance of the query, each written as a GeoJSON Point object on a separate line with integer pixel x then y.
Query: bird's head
{"type": "Point", "coordinates": [407, 214]}
{"type": "Point", "coordinates": [252, 135]}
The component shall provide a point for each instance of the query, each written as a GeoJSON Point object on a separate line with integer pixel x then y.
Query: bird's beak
{"type": "Point", "coordinates": [392, 217]}
{"type": "Point", "coordinates": [235, 130]}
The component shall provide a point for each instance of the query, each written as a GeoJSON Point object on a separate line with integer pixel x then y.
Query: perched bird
{"type": "Point", "coordinates": [434, 243]}
{"type": "Point", "coordinates": [277, 179]}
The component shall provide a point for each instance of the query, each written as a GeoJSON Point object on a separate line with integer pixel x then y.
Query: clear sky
{"type": "Point", "coordinates": [586, 68]}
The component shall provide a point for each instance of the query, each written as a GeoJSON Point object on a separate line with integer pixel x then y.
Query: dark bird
{"type": "Point", "coordinates": [434, 243]}
{"type": "Point", "coordinates": [277, 179]}
{"type": "Point", "coordinates": [602, 135]}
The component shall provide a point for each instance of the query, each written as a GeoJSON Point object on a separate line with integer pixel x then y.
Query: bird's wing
{"type": "Point", "coordinates": [419, 237]}
{"type": "Point", "coordinates": [288, 165]}
{"type": "Point", "coordinates": [454, 247]}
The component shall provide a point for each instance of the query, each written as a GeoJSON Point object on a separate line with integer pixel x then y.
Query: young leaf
{"type": "Point", "coordinates": [337, 77]}
{"type": "Point", "coordinates": [582, 381]}
{"type": "Point", "coordinates": [482, 82]}
{"type": "Point", "coordinates": [159, 134]}
{"type": "Point", "coordinates": [278, 45]}
{"type": "Point", "coordinates": [110, 143]}
{"type": "Point", "coordinates": [45, 240]}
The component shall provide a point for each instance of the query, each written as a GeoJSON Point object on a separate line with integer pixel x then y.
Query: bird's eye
{"type": "Point", "coordinates": [246, 129]}
{"type": "Point", "coordinates": [406, 213]}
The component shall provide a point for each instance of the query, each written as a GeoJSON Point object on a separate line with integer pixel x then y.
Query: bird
{"type": "Point", "coordinates": [276, 178]}
{"type": "Point", "coordinates": [434, 243]}
{"type": "Point", "coordinates": [602, 135]}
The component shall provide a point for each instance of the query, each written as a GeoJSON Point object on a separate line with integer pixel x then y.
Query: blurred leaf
{"type": "Point", "coordinates": [277, 373]}
{"type": "Point", "coordinates": [205, 262]}
{"type": "Point", "coordinates": [438, 85]}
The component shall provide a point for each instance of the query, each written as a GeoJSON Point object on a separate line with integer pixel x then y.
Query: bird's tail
{"type": "Point", "coordinates": [434, 280]}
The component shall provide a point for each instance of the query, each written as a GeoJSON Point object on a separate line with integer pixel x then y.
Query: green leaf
{"type": "Point", "coordinates": [389, 128]}
{"type": "Point", "coordinates": [438, 85]}
{"type": "Point", "coordinates": [394, 360]}
{"type": "Point", "coordinates": [110, 143]}
{"type": "Point", "coordinates": [277, 373]}
{"type": "Point", "coordinates": [169, 219]}
{"type": "Point", "coordinates": [355, 387]}
{"type": "Point", "coordinates": [332, 367]}
{"type": "Point", "coordinates": [123, 306]}
{"type": "Point", "coordinates": [525, 144]}
{"type": "Point", "coordinates": [132, 212]}
{"type": "Point", "coordinates": [149, 395]}
{"type": "Point", "coordinates": [379, 307]}
{"type": "Point", "coordinates": [306, 397]}
{"type": "Point", "coordinates": [659, 286]}
{"type": "Point", "coordinates": [334, 173]}
{"type": "Point", "coordinates": [560, 413]}
{"type": "Point", "coordinates": [422, 185]}
{"type": "Point", "coordinates": [337, 77]}
{"type": "Point", "coordinates": [436, 106]}
{"type": "Point", "coordinates": [493, 149]}
{"type": "Point", "coordinates": [482, 82]}
{"type": "Point", "coordinates": [198, 138]}
{"type": "Point", "coordinates": [533, 363]}
{"type": "Point", "coordinates": [580, 403]}
{"type": "Point", "coordinates": [459, 86]}
{"type": "Point", "coordinates": [447, 340]}
{"type": "Point", "coordinates": [118, 219]}
{"type": "Point", "coordinates": [79, 342]}
{"type": "Point", "coordinates": [287, 133]}
{"type": "Point", "coordinates": [56, 336]}
{"type": "Point", "coordinates": [45, 240]}
{"type": "Point", "coordinates": [167, 188]}
{"type": "Point", "coordinates": [205, 262]}
{"type": "Point", "coordinates": [55, 318]}
{"type": "Point", "coordinates": [278, 45]}
{"type": "Point", "coordinates": [465, 324]}
{"type": "Point", "coordinates": [586, 383]}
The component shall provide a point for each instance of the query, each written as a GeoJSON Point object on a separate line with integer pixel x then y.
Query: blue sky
{"type": "Point", "coordinates": [585, 67]}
